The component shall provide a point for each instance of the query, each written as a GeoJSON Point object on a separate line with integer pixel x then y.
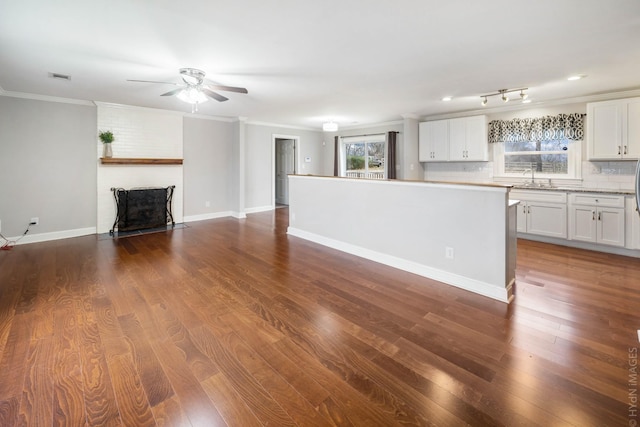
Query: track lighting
{"type": "Point", "coordinates": [503, 95]}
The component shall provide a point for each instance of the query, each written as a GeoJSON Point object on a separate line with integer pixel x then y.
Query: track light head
{"type": "Point", "coordinates": [503, 95]}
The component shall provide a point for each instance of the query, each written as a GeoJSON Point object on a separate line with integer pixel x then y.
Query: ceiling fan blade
{"type": "Point", "coordinates": [228, 88]}
{"type": "Point", "coordinates": [172, 92]}
{"type": "Point", "coordinates": [149, 81]}
{"type": "Point", "coordinates": [212, 94]}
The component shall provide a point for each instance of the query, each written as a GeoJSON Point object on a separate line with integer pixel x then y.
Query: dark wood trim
{"type": "Point", "coordinates": [138, 161]}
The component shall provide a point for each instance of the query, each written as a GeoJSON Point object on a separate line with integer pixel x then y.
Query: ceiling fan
{"type": "Point", "coordinates": [194, 90]}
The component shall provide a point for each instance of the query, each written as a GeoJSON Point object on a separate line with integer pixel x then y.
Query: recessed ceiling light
{"type": "Point", "coordinates": [447, 98]}
{"type": "Point", "coordinates": [576, 77]}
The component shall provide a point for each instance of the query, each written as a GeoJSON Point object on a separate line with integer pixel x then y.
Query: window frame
{"type": "Point", "coordinates": [574, 163]}
{"type": "Point", "coordinates": [362, 139]}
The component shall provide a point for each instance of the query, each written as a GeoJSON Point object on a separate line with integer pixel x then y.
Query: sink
{"type": "Point", "coordinates": [535, 186]}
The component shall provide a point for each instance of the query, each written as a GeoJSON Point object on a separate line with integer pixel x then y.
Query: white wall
{"type": "Point", "coordinates": [47, 168]}
{"type": "Point", "coordinates": [208, 149]}
{"type": "Point", "coordinates": [259, 164]}
{"type": "Point", "coordinates": [409, 225]}
{"type": "Point", "coordinates": [138, 133]}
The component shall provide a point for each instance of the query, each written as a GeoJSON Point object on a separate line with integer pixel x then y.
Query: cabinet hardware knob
{"type": "Point", "coordinates": [618, 150]}
{"type": "Point", "coordinates": [625, 149]}
{"type": "Point", "coordinates": [593, 215]}
{"type": "Point", "coordinates": [599, 217]}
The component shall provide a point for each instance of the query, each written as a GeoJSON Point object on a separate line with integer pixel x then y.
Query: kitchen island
{"type": "Point", "coordinates": [460, 234]}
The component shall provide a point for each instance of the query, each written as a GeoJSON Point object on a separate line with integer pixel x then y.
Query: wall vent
{"type": "Point", "coordinates": [59, 76]}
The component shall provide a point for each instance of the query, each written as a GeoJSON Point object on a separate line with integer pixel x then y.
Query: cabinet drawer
{"type": "Point", "coordinates": [597, 200]}
{"type": "Point", "coordinates": [539, 196]}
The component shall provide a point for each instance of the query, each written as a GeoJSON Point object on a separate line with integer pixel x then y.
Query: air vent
{"type": "Point", "coordinates": [59, 76]}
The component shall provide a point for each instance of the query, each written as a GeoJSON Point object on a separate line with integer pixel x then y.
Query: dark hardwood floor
{"type": "Point", "coordinates": [232, 322]}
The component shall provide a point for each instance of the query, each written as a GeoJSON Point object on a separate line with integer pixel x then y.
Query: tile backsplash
{"type": "Point", "coordinates": [609, 175]}
{"type": "Point", "coordinates": [616, 175]}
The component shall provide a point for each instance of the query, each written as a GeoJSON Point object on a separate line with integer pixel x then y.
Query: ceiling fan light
{"type": "Point", "coordinates": [484, 101]}
{"type": "Point", "coordinates": [330, 127]}
{"type": "Point", "coordinates": [523, 95]}
{"type": "Point", "coordinates": [192, 95]}
{"type": "Point", "coordinates": [505, 98]}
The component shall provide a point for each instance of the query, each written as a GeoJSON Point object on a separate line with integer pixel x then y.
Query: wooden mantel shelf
{"type": "Point", "coordinates": [131, 161]}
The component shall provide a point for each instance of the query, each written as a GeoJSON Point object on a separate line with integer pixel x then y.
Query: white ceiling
{"type": "Point", "coordinates": [307, 61]}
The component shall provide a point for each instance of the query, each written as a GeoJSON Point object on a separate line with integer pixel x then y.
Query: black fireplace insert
{"type": "Point", "coordinates": [142, 208]}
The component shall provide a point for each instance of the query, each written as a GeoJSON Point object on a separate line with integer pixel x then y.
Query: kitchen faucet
{"type": "Point", "coordinates": [532, 170]}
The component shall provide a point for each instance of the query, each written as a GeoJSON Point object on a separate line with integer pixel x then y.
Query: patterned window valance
{"type": "Point", "coordinates": [548, 128]}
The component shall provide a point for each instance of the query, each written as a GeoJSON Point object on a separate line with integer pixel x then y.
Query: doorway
{"type": "Point", "coordinates": [285, 163]}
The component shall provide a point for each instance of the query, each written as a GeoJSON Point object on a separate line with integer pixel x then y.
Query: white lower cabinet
{"type": "Point", "coordinates": [633, 224]}
{"type": "Point", "coordinates": [542, 212]}
{"type": "Point", "coordinates": [597, 219]}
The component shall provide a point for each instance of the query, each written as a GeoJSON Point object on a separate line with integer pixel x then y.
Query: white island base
{"type": "Point", "coordinates": [460, 234]}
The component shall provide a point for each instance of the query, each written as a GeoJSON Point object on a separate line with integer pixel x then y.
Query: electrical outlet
{"type": "Point", "coordinates": [448, 252]}
{"type": "Point", "coordinates": [34, 221]}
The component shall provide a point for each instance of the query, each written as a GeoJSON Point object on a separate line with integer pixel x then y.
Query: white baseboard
{"type": "Point", "coordinates": [462, 282]}
{"type": "Point", "coordinates": [239, 215]}
{"type": "Point", "coordinates": [202, 217]}
{"type": "Point", "coordinates": [259, 209]}
{"type": "Point", "coordinates": [581, 245]}
{"type": "Point", "coordinates": [55, 235]}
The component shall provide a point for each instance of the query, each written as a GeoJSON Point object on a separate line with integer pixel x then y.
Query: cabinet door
{"type": "Point", "coordinates": [424, 146]}
{"type": "Point", "coordinates": [632, 137]}
{"type": "Point", "coordinates": [634, 242]}
{"type": "Point", "coordinates": [458, 139]}
{"type": "Point", "coordinates": [605, 130]}
{"type": "Point", "coordinates": [611, 226]}
{"type": "Point", "coordinates": [477, 139]}
{"type": "Point", "coordinates": [547, 219]}
{"type": "Point", "coordinates": [521, 217]}
{"type": "Point", "coordinates": [433, 138]}
{"type": "Point", "coordinates": [582, 223]}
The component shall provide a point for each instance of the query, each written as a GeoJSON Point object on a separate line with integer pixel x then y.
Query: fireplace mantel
{"type": "Point", "coordinates": [138, 161]}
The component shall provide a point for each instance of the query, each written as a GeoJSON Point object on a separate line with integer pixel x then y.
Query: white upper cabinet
{"type": "Point", "coordinates": [613, 129]}
{"type": "Point", "coordinates": [462, 139]}
{"type": "Point", "coordinates": [433, 141]}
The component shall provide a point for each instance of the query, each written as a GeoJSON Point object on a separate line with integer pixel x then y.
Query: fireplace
{"type": "Point", "coordinates": [142, 208]}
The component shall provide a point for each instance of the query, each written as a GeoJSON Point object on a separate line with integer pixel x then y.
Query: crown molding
{"type": "Point", "coordinates": [138, 108]}
{"type": "Point", "coordinates": [373, 125]}
{"type": "Point", "coordinates": [279, 125]}
{"type": "Point", "coordinates": [47, 98]}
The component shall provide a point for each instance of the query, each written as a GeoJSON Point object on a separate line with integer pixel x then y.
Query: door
{"type": "Point", "coordinates": [285, 165]}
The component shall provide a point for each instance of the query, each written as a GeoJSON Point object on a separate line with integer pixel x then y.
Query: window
{"type": "Point", "coordinates": [363, 156]}
{"type": "Point", "coordinates": [548, 147]}
{"type": "Point", "coordinates": [554, 159]}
